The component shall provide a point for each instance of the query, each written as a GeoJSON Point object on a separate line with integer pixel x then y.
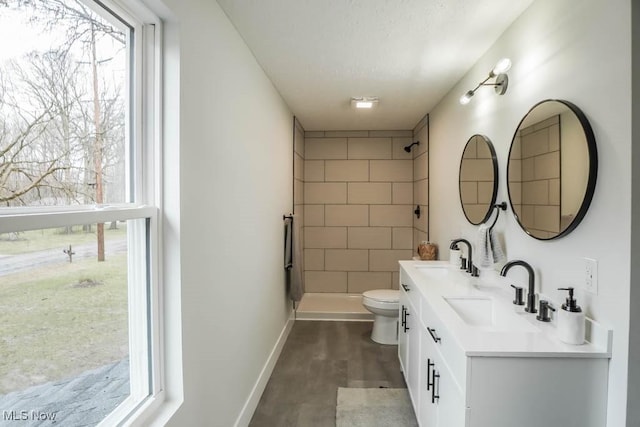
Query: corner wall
{"type": "Point", "coordinates": [236, 167]}
{"type": "Point", "coordinates": [577, 50]}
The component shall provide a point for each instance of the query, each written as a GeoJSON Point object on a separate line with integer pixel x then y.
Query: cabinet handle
{"type": "Point", "coordinates": [432, 332]}
{"type": "Point", "coordinates": [406, 288]}
{"type": "Point", "coordinates": [404, 319]}
{"type": "Point", "coordinates": [435, 396]}
{"type": "Point", "coordinates": [406, 328]}
{"type": "Point", "coordinates": [429, 366]}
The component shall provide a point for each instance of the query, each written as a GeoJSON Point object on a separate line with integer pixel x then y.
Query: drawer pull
{"type": "Point", "coordinates": [435, 396]}
{"type": "Point", "coordinates": [406, 328]}
{"type": "Point", "coordinates": [429, 366]}
{"type": "Point", "coordinates": [432, 332]}
{"type": "Point", "coordinates": [406, 288]}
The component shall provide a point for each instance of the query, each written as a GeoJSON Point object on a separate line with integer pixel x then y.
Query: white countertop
{"type": "Point", "coordinates": [533, 339]}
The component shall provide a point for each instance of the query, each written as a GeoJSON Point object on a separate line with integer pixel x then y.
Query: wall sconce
{"type": "Point", "coordinates": [500, 84]}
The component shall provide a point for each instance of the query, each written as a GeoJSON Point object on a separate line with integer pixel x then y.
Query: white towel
{"type": "Point", "coordinates": [488, 247]}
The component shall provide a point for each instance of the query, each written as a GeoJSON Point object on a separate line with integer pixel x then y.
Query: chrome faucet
{"type": "Point", "coordinates": [531, 294]}
{"type": "Point", "coordinates": [470, 267]}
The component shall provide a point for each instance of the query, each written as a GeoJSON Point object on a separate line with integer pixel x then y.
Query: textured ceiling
{"type": "Point", "coordinates": [409, 53]}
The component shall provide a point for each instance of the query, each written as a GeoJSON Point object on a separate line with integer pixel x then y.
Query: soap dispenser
{"type": "Point", "coordinates": [570, 321]}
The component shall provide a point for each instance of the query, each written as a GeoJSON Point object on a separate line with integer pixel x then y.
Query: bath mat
{"type": "Point", "coordinates": [374, 407]}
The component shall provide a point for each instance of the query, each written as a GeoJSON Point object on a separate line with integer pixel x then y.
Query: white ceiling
{"type": "Point", "coordinates": [409, 53]}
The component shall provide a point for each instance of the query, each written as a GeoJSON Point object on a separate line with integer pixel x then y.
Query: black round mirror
{"type": "Point", "coordinates": [478, 179]}
{"type": "Point", "coordinates": [553, 164]}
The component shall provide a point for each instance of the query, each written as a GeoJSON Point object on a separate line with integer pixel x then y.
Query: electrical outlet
{"type": "Point", "coordinates": [591, 275]}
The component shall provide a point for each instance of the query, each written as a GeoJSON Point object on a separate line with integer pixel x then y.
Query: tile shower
{"type": "Point", "coordinates": [357, 191]}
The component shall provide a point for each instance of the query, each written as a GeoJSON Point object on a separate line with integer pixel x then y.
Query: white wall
{"type": "Point", "coordinates": [578, 50]}
{"type": "Point", "coordinates": [235, 183]}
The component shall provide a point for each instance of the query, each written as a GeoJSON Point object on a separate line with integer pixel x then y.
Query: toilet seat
{"type": "Point", "coordinates": [383, 295]}
{"type": "Point", "coordinates": [381, 298]}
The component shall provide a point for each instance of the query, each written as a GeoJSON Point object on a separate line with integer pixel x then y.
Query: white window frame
{"type": "Point", "coordinates": [145, 317]}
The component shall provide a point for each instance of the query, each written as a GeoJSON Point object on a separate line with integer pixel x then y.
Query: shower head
{"type": "Point", "coordinates": [408, 147]}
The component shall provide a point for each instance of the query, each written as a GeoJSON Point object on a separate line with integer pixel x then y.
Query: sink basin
{"type": "Point", "coordinates": [484, 312]}
{"type": "Point", "coordinates": [433, 272]}
{"type": "Point", "coordinates": [474, 311]}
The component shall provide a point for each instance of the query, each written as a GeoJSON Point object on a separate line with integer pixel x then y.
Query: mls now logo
{"type": "Point", "coordinates": [28, 415]}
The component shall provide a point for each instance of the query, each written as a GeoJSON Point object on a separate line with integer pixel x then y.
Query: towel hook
{"type": "Point", "coordinates": [499, 207]}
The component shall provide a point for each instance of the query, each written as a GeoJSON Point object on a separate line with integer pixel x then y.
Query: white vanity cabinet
{"type": "Point", "coordinates": [409, 338]}
{"type": "Point", "coordinates": [460, 376]}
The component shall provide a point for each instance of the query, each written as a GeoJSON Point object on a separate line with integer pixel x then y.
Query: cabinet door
{"type": "Point", "coordinates": [403, 334]}
{"type": "Point", "coordinates": [441, 403]}
{"type": "Point", "coordinates": [413, 354]}
{"type": "Point", "coordinates": [428, 412]}
{"type": "Point", "coordinates": [451, 407]}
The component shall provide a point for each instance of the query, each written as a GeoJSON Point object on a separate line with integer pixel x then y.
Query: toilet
{"type": "Point", "coordinates": [383, 303]}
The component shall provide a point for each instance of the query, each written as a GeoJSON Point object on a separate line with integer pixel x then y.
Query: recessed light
{"type": "Point", "coordinates": [364, 102]}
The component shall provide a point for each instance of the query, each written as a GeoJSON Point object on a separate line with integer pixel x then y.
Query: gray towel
{"type": "Point", "coordinates": [288, 243]}
{"type": "Point", "coordinates": [293, 257]}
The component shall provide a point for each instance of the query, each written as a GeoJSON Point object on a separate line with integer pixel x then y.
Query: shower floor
{"type": "Point", "coordinates": [332, 306]}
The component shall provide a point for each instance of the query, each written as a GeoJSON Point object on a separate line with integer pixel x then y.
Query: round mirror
{"type": "Point", "coordinates": [478, 179]}
{"type": "Point", "coordinates": [553, 164]}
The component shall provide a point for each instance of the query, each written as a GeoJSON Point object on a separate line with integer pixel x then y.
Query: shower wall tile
{"type": "Point", "coordinates": [390, 215]}
{"type": "Point", "coordinates": [402, 193]}
{"type": "Point", "coordinates": [369, 238]}
{"type": "Point", "coordinates": [346, 170]}
{"type": "Point", "coordinates": [325, 237]}
{"type": "Point", "coordinates": [395, 280]}
{"type": "Point", "coordinates": [369, 148]}
{"type": "Point", "coordinates": [325, 192]}
{"type": "Point", "coordinates": [387, 260]}
{"type": "Point", "coordinates": [346, 133]}
{"type": "Point", "coordinates": [359, 282]}
{"type": "Point", "coordinates": [369, 193]}
{"type": "Point", "coordinates": [345, 215]}
{"type": "Point", "coordinates": [314, 259]}
{"type": "Point", "coordinates": [314, 170]}
{"type": "Point", "coordinates": [402, 238]}
{"type": "Point", "coordinates": [346, 260]}
{"type": "Point", "coordinates": [325, 148]}
{"type": "Point", "coordinates": [391, 170]}
{"type": "Point", "coordinates": [390, 133]}
{"type": "Point", "coordinates": [421, 192]}
{"type": "Point", "coordinates": [298, 167]}
{"type": "Point", "coordinates": [314, 215]}
{"type": "Point", "coordinates": [421, 167]}
{"type": "Point", "coordinates": [325, 281]}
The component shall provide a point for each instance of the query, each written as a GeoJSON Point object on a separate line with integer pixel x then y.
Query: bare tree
{"type": "Point", "coordinates": [84, 30]}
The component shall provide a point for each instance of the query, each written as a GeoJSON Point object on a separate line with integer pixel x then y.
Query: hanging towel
{"type": "Point", "coordinates": [293, 257]}
{"type": "Point", "coordinates": [288, 243]}
{"type": "Point", "coordinates": [488, 247]}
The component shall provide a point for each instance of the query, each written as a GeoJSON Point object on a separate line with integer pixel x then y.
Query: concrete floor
{"type": "Point", "coordinates": [319, 357]}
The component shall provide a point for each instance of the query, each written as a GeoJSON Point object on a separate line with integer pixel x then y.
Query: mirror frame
{"type": "Point", "coordinates": [494, 160]}
{"type": "Point", "coordinates": [592, 151]}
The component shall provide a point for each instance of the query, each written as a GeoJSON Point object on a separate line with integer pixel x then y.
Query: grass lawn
{"type": "Point", "coordinates": [54, 327]}
{"type": "Point", "coordinates": [51, 238]}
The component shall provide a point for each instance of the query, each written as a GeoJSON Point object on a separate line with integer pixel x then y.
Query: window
{"type": "Point", "coordinates": [79, 211]}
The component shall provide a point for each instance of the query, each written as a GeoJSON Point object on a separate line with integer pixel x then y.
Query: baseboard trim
{"type": "Point", "coordinates": [254, 397]}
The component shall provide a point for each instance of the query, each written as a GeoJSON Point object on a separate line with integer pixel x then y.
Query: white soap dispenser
{"type": "Point", "coordinates": [570, 321]}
